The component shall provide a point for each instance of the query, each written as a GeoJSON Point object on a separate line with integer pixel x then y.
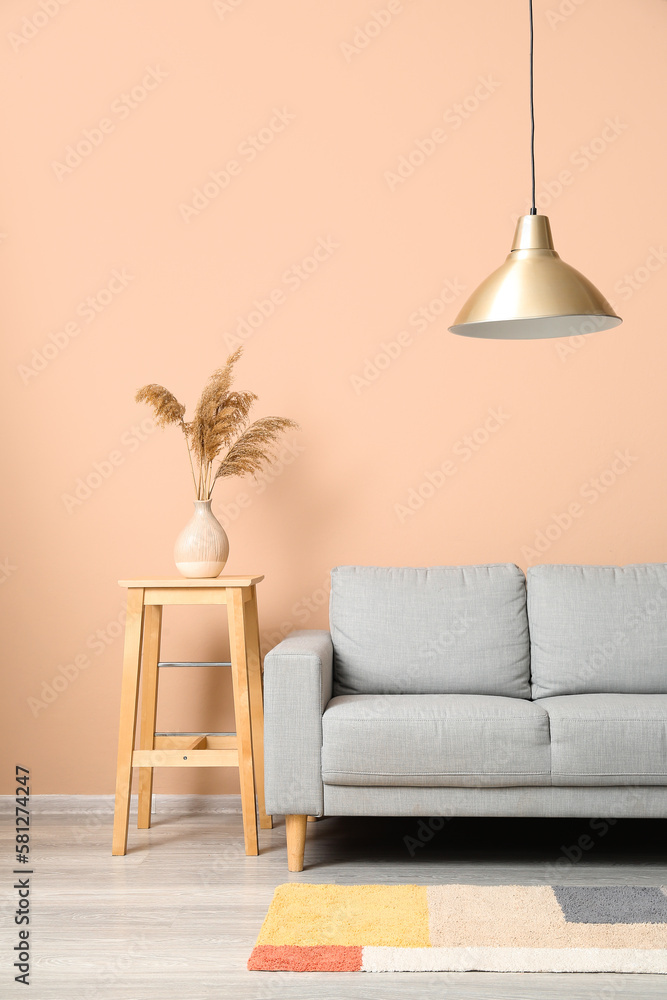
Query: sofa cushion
{"type": "Point", "coordinates": [444, 630]}
{"type": "Point", "coordinates": [608, 739]}
{"type": "Point", "coordinates": [598, 629]}
{"type": "Point", "coordinates": [442, 739]}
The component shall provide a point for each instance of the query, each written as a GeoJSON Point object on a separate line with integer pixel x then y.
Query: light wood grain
{"type": "Point", "coordinates": [240, 750]}
{"type": "Point", "coordinates": [185, 595]}
{"type": "Point", "coordinates": [128, 716]}
{"type": "Point", "coordinates": [178, 921]}
{"type": "Point", "coordinates": [195, 742]}
{"type": "Point", "coordinates": [222, 742]}
{"type": "Point", "coordinates": [256, 704]}
{"type": "Point", "coordinates": [149, 693]}
{"type": "Point", "coordinates": [182, 582]}
{"type": "Point", "coordinates": [186, 758]}
{"type": "Point", "coordinates": [295, 831]}
{"type": "Point", "coordinates": [237, 645]}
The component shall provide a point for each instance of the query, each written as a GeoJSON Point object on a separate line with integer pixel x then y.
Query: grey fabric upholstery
{"type": "Point", "coordinates": [445, 630]}
{"type": "Point", "coordinates": [448, 740]}
{"type": "Point", "coordinates": [297, 687]}
{"type": "Point", "coordinates": [609, 802]}
{"type": "Point", "coordinates": [608, 739]}
{"type": "Point", "coordinates": [597, 629]}
{"type": "Point", "coordinates": [431, 715]}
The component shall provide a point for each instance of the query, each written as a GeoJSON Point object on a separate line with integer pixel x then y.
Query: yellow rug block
{"type": "Point", "coordinates": [381, 915]}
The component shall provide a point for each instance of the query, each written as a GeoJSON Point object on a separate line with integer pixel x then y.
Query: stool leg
{"type": "Point", "coordinates": [128, 716]}
{"type": "Point", "coordinates": [238, 657]}
{"type": "Point", "coordinates": [256, 705]}
{"type": "Point", "coordinates": [149, 684]}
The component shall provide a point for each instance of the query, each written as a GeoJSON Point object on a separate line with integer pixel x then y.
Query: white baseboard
{"type": "Point", "coordinates": [45, 805]}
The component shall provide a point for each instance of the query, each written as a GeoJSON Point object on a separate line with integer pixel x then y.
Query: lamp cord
{"type": "Point", "coordinates": [533, 210]}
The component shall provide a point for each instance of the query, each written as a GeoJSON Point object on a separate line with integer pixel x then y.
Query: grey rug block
{"type": "Point", "coordinates": [612, 904]}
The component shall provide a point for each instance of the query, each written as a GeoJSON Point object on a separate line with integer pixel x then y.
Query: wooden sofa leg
{"type": "Point", "coordinates": [296, 841]}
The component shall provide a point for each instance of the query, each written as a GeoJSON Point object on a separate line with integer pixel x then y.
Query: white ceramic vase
{"type": "Point", "coordinates": [202, 547]}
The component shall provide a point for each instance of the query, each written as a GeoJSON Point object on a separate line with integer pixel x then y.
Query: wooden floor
{"type": "Point", "coordinates": [177, 917]}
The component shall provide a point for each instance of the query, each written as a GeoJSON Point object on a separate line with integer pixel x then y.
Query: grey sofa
{"type": "Point", "coordinates": [472, 691]}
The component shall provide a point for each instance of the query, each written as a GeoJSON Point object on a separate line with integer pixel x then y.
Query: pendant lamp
{"type": "Point", "coordinates": [534, 294]}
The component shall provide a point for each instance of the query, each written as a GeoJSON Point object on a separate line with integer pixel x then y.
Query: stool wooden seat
{"type": "Point", "coordinates": [243, 749]}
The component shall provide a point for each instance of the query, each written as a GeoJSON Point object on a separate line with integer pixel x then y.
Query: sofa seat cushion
{"type": "Point", "coordinates": [457, 740]}
{"type": "Point", "coordinates": [608, 739]}
{"type": "Point", "coordinates": [598, 629]}
{"type": "Point", "coordinates": [441, 630]}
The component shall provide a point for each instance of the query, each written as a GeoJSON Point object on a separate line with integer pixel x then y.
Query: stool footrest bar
{"type": "Point", "coordinates": [201, 741]}
{"type": "Point", "coordinates": [186, 757]}
{"type": "Point", "coordinates": [194, 663]}
{"type": "Point", "coordinates": [182, 732]}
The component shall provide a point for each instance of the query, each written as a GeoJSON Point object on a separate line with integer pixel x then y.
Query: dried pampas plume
{"type": "Point", "coordinates": [167, 408]}
{"type": "Point", "coordinates": [254, 447]}
{"type": "Point", "coordinates": [218, 423]}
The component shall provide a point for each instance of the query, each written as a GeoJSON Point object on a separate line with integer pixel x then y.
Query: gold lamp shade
{"type": "Point", "coordinates": [534, 294]}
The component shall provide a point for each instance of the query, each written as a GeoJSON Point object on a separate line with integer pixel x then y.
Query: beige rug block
{"type": "Point", "coordinates": [522, 917]}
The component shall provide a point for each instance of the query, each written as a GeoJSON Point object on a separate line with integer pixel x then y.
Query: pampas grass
{"type": "Point", "coordinates": [219, 424]}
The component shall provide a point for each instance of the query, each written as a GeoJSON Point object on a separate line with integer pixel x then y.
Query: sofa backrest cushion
{"type": "Point", "coordinates": [598, 629]}
{"type": "Point", "coordinates": [443, 630]}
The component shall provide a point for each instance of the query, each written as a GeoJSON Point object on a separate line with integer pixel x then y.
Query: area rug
{"type": "Point", "coordinates": [461, 928]}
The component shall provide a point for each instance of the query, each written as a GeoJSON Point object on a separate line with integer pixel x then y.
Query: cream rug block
{"type": "Point", "coordinates": [514, 916]}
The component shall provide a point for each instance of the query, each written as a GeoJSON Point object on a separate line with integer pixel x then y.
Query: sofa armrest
{"type": "Point", "coordinates": [298, 677]}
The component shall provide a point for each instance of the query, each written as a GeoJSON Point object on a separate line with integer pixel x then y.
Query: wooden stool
{"type": "Point", "coordinates": [243, 749]}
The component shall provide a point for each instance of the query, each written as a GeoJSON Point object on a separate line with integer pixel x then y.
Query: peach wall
{"type": "Point", "coordinates": [336, 100]}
